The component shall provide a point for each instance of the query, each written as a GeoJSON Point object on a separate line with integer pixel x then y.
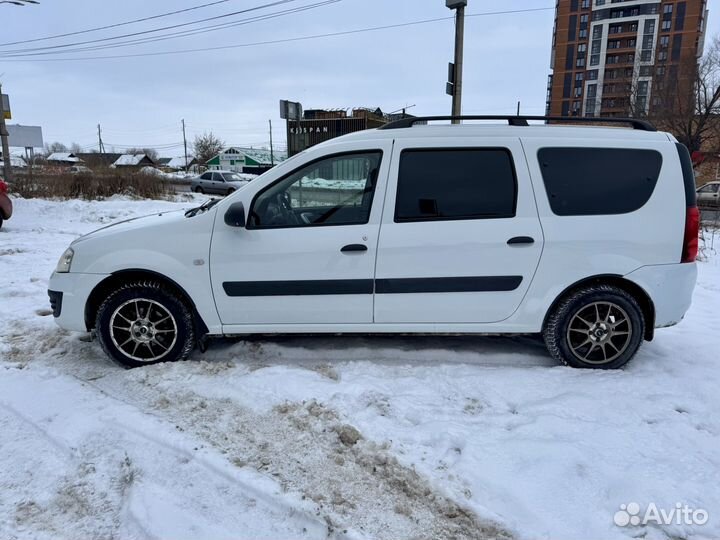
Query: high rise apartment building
{"type": "Point", "coordinates": [623, 57]}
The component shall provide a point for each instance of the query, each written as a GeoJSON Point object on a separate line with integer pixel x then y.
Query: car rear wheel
{"type": "Point", "coordinates": [597, 327]}
{"type": "Point", "coordinates": [144, 323]}
{"type": "Point", "coordinates": [200, 190]}
{"type": "Point", "coordinates": [1, 222]}
{"type": "Point", "coordinates": [230, 191]}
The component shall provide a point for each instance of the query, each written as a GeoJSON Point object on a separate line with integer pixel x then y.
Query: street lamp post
{"type": "Point", "coordinates": [457, 71]}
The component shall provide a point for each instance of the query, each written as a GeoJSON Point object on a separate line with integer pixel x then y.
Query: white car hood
{"type": "Point", "coordinates": [135, 223]}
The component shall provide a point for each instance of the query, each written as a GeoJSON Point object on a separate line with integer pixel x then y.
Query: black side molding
{"type": "Point", "coordinates": [298, 288]}
{"type": "Point", "coordinates": [368, 286]}
{"type": "Point", "coordinates": [447, 285]}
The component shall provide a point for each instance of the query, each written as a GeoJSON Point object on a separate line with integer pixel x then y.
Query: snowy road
{"type": "Point", "coordinates": [458, 437]}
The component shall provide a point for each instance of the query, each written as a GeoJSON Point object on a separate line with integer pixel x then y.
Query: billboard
{"type": "Point", "coordinates": [26, 136]}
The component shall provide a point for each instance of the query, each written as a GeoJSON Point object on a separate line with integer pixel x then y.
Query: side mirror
{"type": "Point", "coordinates": [235, 215]}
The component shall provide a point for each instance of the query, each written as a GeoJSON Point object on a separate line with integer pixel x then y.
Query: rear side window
{"type": "Point", "coordinates": [445, 184]}
{"type": "Point", "coordinates": [598, 181]}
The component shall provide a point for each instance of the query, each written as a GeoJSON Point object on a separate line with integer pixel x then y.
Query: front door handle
{"type": "Point", "coordinates": [354, 248]}
{"type": "Point", "coordinates": [520, 240]}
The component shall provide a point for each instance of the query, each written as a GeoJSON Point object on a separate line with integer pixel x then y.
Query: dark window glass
{"type": "Point", "coordinates": [570, 59]}
{"type": "Point", "coordinates": [455, 184]}
{"type": "Point", "coordinates": [598, 181]}
{"type": "Point", "coordinates": [676, 47]}
{"type": "Point", "coordinates": [567, 82]}
{"type": "Point", "coordinates": [337, 190]}
{"type": "Point", "coordinates": [680, 17]}
{"type": "Point", "coordinates": [217, 177]}
{"type": "Point", "coordinates": [206, 176]}
{"type": "Point", "coordinates": [572, 28]}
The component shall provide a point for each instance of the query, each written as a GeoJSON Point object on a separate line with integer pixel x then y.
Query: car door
{"type": "Point", "coordinates": [460, 239]}
{"type": "Point", "coordinates": [217, 185]}
{"type": "Point", "coordinates": [204, 181]}
{"type": "Point", "coordinates": [708, 195]}
{"type": "Point", "coordinates": [307, 255]}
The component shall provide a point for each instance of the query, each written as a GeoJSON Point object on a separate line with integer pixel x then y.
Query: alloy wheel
{"type": "Point", "coordinates": [143, 330]}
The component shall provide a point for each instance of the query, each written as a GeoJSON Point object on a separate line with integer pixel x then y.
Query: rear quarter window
{"type": "Point", "coordinates": [454, 184]}
{"type": "Point", "coordinates": [598, 181]}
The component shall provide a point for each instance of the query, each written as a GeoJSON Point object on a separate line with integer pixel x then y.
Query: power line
{"type": "Point", "coordinates": [286, 40]}
{"type": "Point", "coordinates": [175, 35]}
{"type": "Point", "coordinates": [135, 21]}
{"type": "Point", "coordinates": [151, 31]}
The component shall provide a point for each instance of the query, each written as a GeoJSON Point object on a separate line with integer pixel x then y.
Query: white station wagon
{"type": "Point", "coordinates": [586, 235]}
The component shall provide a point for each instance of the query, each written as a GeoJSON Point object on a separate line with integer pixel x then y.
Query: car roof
{"type": "Point", "coordinates": [554, 131]}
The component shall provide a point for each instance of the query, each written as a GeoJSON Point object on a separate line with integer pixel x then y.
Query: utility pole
{"type": "Point", "coordinates": [5, 144]}
{"type": "Point", "coordinates": [518, 109]}
{"type": "Point", "coordinates": [185, 144]}
{"type": "Point", "coordinates": [272, 153]}
{"type": "Point", "coordinates": [101, 146]}
{"type": "Point", "coordinates": [457, 82]}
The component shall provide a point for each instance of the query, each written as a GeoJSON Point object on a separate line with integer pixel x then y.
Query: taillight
{"type": "Point", "coordinates": [692, 231]}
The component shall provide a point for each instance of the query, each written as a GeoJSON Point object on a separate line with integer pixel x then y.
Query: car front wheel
{"type": "Point", "coordinates": [598, 327]}
{"type": "Point", "coordinates": [144, 323]}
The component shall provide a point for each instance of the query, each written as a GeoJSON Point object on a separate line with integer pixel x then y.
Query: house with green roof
{"type": "Point", "coordinates": [246, 160]}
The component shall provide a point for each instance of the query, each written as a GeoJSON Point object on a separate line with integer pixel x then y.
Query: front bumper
{"type": "Point", "coordinates": [73, 291]}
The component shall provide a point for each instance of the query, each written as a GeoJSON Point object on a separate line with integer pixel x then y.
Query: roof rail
{"type": "Point", "coordinates": [641, 125]}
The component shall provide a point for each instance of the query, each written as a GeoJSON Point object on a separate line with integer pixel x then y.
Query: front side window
{"type": "Point", "coordinates": [447, 184]}
{"type": "Point", "coordinates": [217, 177]}
{"type": "Point", "coordinates": [598, 181]}
{"type": "Point", "coordinates": [337, 190]}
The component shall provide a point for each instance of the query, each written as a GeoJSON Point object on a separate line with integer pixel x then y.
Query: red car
{"type": "Point", "coordinates": [5, 202]}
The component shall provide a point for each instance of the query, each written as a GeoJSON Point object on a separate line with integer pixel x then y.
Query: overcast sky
{"type": "Point", "coordinates": [234, 92]}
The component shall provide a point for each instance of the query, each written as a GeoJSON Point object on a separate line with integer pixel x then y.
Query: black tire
{"type": "Point", "coordinates": [1, 222]}
{"type": "Point", "coordinates": [596, 327]}
{"type": "Point", "coordinates": [168, 334]}
{"type": "Point", "coordinates": [230, 191]}
{"type": "Point", "coordinates": [200, 190]}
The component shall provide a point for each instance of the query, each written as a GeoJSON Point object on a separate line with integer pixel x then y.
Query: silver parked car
{"type": "Point", "coordinates": [219, 182]}
{"type": "Point", "coordinates": [709, 194]}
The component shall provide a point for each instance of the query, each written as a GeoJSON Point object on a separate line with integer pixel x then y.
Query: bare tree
{"type": "Point", "coordinates": [149, 152]}
{"type": "Point", "coordinates": [206, 147]}
{"type": "Point", "coordinates": [52, 148]}
{"type": "Point", "coordinates": [75, 148]}
{"type": "Point", "coordinates": [686, 101]}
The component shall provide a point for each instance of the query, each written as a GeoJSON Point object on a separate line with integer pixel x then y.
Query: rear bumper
{"type": "Point", "coordinates": [670, 287]}
{"type": "Point", "coordinates": [73, 291]}
{"type": "Point", "coordinates": [6, 207]}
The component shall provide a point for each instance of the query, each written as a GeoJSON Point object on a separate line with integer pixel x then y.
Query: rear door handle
{"type": "Point", "coordinates": [520, 240]}
{"type": "Point", "coordinates": [354, 248]}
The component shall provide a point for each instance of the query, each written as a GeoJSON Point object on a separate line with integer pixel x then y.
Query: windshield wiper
{"type": "Point", "coordinates": [207, 205]}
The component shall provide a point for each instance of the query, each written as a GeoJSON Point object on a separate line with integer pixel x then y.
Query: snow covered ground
{"type": "Point", "coordinates": [456, 437]}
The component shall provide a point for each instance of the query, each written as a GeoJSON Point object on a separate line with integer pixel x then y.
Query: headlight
{"type": "Point", "coordinates": [65, 261]}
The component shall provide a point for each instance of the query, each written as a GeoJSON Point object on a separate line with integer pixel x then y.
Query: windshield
{"type": "Point", "coordinates": [234, 177]}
